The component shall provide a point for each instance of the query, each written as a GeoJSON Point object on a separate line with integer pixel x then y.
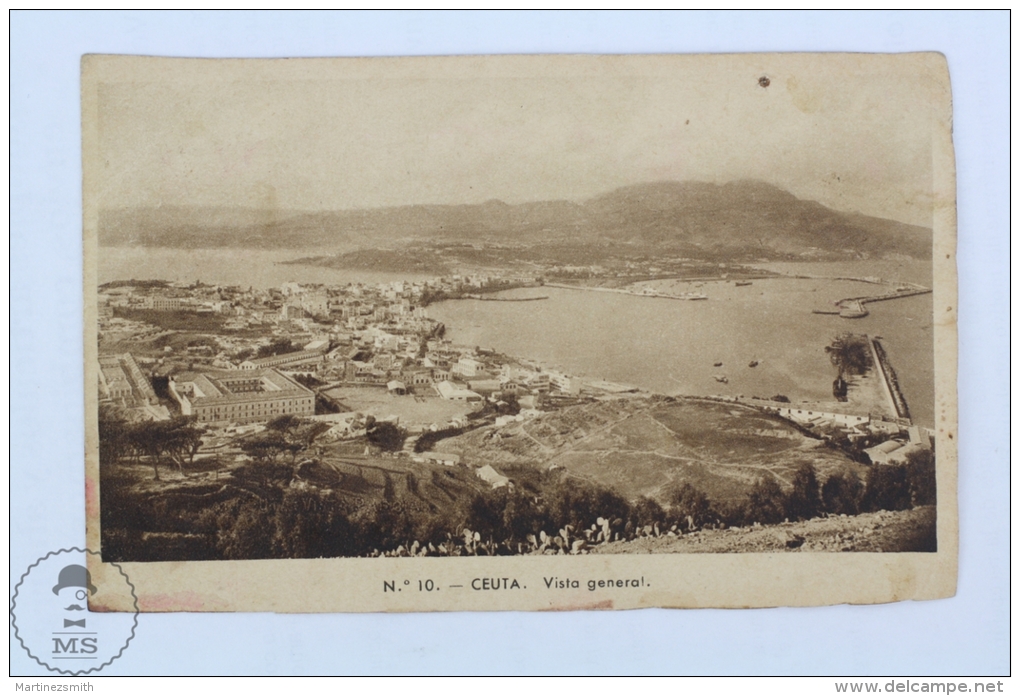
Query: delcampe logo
{"type": "Point", "coordinates": [50, 611]}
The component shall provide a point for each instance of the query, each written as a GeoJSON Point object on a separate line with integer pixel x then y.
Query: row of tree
{"type": "Point", "coordinates": [175, 441]}
{"type": "Point", "coordinates": [266, 517]}
{"type": "Point", "coordinates": [510, 520]}
{"type": "Point", "coordinates": [883, 488]}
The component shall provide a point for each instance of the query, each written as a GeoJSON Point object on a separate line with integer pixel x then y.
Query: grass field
{"type": "Point", "coordinates": [643, 447]}
{"type": "Point", "coordinates": [422, 409]}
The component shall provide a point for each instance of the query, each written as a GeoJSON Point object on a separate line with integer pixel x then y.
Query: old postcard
{"type": "Point", "coordinates": [520, 332]}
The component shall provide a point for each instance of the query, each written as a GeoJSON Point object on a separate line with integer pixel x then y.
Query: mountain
{"type": "Point", "coordinates": [749, 217]}
{"type": "Point", "coordinates": [744, 218]}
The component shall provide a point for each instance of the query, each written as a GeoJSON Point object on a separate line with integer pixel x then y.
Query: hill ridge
{"type": "Point", "coordinates": [739, 218]}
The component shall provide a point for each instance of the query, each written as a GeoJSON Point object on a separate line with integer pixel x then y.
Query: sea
{"type": "Point", "coordinates": [255, 268]}
{"type": "Point", "coordinates": [663, 345]}
{"type": "Point", "coordinates": [673, 346]}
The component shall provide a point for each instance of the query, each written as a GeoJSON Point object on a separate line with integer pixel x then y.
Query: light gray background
{"type": "Point", "coordinates": [965, 635]}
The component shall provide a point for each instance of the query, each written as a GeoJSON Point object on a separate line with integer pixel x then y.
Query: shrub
{"type": "Point", "coordinates": [505, 514]}
{"type": "Point", "coordinates": [387, 436]}
{"type": "Point", "coordinates": [689, 505]}
{"type": "Point", "coordinates": [580, 504]}
{"type": "Point", "coordinates": [310, 524]}
{"type": "Point", "coordinates": [841, 494]}
{"type": "Point", "coordinates": [921, 477]}
{"type": "Point", "coordinates": [766, 503]}
{"type": "Point", "coordinates": [647, 512]}
{"type": "Point", "coordinates": [382, 525]}
{"type": "Point", "coordinates": [850, 354]}
{"type": "Point", "coordinates": [804, 501]}
{"type": "Point", "coordinates": [886, 488]}
{"type": "Point", "coordinates": [427, 440]}
{"type": "Point", "coordinates": [247, 529]}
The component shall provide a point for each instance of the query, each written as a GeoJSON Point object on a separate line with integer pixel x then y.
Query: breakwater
{"type": "Point", "coordinates": [482, 298]}
{"type": "Point", "coordinates": [854, 307]}
{"type": "Point", "coordinates": [892, 385]}
{"type": "Point", "coordinates": [624, 291]}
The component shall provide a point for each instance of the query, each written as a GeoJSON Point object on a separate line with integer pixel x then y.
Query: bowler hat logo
{"type": "Point", "coordinates": [74, 576]}
{"type": "Point", "coordinates": [52, 617]}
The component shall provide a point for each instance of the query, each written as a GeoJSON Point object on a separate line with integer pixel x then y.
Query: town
{"type": "Point", "coordinates": [233, 359]}
{"type": "Point", "coordinates": [228, 414]}
{"type": "Point", "coordinates": [360, 356]}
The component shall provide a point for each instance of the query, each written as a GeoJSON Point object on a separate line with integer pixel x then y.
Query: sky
{"type": "Point", "coordinates": [851, 131]}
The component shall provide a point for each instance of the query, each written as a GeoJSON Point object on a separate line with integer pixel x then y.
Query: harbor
{"type": "Point", "coordinates": [854, 307]}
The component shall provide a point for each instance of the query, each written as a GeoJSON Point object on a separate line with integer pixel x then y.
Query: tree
{"type": "Point", "coordinates": [886, 488]}
{"type": "Point", "coordinates": [766, 503]}
{"type": "Point", "coordinates": [309, 431]}
{"type": "Point", "coordinates": [690, 505]}
{"type": "Point", "coordinates": [284, 424]}
{"type": "Point", "coordinates": [287, 434]}
{"type": "Point", "coordinates": [505, 514]}
{"type": "Point", "coordinates": [148, 438]}
{"type": "Point", "coordinates": [268, 446]}
{"type": "Point", "coordinates": [646, 511]}
{"type": "Point", "coordinates": [580, 504]}
{"type": "Point", "coordinates": [804, 501]}
{"type": "Point", "coordinates": [850, 354]}
{"type": "Point", "coordinates": [313, 524]}
{"type": "Point", "coordinates": [182, 441]}
{"type": "Point", "coordinates": [280, 346]}
{"type": "Point", "coordinates": [841, 494]}
{"type": "Point", "coordinates": [246, 530]}
{"type": "Point", "coordinates": [386, 435]}
{"type": "Point", "coordinates": [113, 436]}
{"type": "Point", "coordinates": [921, 477]}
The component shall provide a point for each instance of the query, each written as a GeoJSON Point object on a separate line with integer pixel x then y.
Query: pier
{"type": "Point", "coordinates": [889, 381]}
{"type": "Point", "coordinates": [854, 307]}
{"type": "Point", "coordinates": [624, 291]}
{"type": "Point", "coordinates": [482, 298]}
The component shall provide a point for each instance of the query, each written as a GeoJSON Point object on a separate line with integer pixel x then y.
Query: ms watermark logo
{"type": "Point", "coordinates": [51, 611]}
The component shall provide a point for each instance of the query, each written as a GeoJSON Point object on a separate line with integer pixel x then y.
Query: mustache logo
{"type": "Point", "coordinates": [74, 607]}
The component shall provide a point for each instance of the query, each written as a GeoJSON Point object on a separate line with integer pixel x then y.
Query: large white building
{"type": "Point", "coordinates": [451, 392]}
{"type": "Point", "coordinates": [241, 397]}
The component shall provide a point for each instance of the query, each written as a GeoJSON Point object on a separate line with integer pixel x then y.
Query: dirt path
{"type": "Point", "coordinates": [599, 431]}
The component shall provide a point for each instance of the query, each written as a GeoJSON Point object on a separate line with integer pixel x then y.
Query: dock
{"type": "Point", "coordinates": [624, 291]}
{"type": "Point", "coordinates": [889, 380]}
{"type": "Point", "coordinates": [482, 298]}
{"type": "Point", "coordinates": [854, 307]}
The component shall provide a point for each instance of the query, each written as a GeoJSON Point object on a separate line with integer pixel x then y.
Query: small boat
{"type": "Point", "coordinates": [753, 363]}
{"type": "Point", "coordinates": [718, 364]}
{"type": "Point", "coordinates": [722, 378]}
{"type": "Point", "coordinates": [742, 283]}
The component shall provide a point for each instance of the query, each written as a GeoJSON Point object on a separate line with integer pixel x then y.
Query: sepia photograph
{"type": "Point", "coordinates": [533, 331]}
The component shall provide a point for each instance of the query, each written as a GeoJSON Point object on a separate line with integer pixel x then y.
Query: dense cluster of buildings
{"type": "Point", "coordinates": [122, 382]}
{"type": "Point", "coordinates": [900, 436]}
{"type": "Point", "coordinates": [262, 343]}
{"type": "Point", "coordinates": [259, 349]}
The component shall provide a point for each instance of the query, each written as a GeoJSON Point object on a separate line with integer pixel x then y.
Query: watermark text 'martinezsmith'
{"type": "Point", "coordinates": [43, 686]}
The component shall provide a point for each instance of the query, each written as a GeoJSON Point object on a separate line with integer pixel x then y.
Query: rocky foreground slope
{"type": "Point", "coordinates": [906, 530]}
